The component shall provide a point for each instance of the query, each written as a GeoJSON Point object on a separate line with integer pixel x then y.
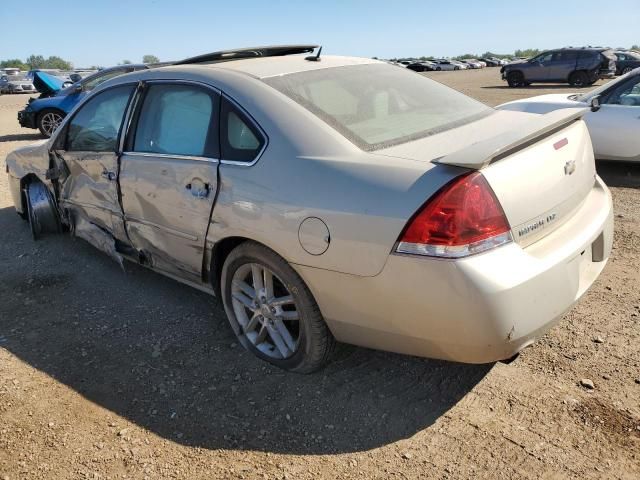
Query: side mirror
{"type": "Point", "coordinates": [595, 103]}
{"type": "Point", "coordinates": [78, 88]}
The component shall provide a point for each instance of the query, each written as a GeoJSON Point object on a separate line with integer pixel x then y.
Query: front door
{"type": "Point", "coordinates": [614, 128]}
{"type": "Point", "coordinates": [538, 68]}
{"type": "Point", "coordinates": [88, 146]}
{"type": "Point", "coordinates": [169, 175]}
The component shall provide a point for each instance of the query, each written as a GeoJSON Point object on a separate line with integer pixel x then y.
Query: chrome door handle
{"type": "Point", "coordinates": [201, 191]}
{"type": "Point", "coordinates": [111, 176]}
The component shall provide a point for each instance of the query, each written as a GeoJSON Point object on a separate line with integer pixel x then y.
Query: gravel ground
{"type": "Point", "coordinates": [105, 374]}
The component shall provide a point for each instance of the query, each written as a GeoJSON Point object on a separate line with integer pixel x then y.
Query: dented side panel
{"type": "Point", "coordinates": [167, 203]}
{"type": "Point", "coordinates": [91, 189]}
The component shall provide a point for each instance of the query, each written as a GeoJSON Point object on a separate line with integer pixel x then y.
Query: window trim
{"type": "Point", "coordinates": [134, 116]}
{"type": "Point", "coordinates": [255, 124]}
{"type": "Point", "coordinates": [61, 141]}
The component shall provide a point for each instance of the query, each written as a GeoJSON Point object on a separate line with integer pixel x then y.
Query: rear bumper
{"type": "Point", "coordinates": [27, 119]}
{"type": "Point", "coordinates": [479, 309]}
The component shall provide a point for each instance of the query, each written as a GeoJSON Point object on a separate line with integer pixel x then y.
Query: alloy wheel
{"type": "Point", "coordinates": [50, 122]}
{"type": "Point", "coordinates": [266, 311]}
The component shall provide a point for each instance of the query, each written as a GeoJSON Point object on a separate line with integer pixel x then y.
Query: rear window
{"type": "Point", "coordinates": [376, 106]}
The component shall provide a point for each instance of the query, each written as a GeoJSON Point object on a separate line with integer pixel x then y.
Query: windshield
{"type": "Point", "coordinates": [375, 106]}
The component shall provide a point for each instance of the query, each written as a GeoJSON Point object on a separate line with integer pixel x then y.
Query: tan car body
{"type": "Point", "coordinates": [335, 213]}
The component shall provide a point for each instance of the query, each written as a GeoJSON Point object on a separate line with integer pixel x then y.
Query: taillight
{"type": "Point", "coordinates": [462, 219]}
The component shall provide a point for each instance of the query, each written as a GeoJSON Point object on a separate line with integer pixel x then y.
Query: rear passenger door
{"type": "Point", "coordinates": [169, 174]}
{"type": "Point", "coordinates": [562, 64]}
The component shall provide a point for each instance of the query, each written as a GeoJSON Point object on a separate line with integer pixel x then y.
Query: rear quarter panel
{"type": "Point", "coordinates": [364, 205]}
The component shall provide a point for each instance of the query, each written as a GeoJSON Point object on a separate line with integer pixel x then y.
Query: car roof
{"type": "Point", "coordinates": [264, 67]}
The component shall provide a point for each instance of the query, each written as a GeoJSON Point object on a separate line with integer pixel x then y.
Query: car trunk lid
{"type": "Point", "coordinates": [541, 169]}
{"type": "Point", "coordinates": [540, 172]}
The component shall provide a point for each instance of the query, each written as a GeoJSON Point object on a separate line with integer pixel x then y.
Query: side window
{"type": "Point", "coordinates": [240, 139]}
{"type": "Point", "coordinates": [565, 56]}
{"type": "Point", "coordinates": [627, 94]}
{"type": "Point", "coordinates": [178, 120]}
{"type": "Point", "coordinates": [95, 127]}
{"type": "Point", "coordinates": [544, 58]}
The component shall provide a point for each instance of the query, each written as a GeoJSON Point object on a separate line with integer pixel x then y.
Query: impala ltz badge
{"type": "Point", "coordinates": [569, 167]}
{"type": "Point", "coordinates": [536, 224]}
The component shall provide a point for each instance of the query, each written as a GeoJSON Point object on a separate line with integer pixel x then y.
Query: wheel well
{"type": "Point", "coordinates": [221, 251]}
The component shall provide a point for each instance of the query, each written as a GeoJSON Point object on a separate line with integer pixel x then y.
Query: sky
{"type": "Point", "coordinates": [106, 32]}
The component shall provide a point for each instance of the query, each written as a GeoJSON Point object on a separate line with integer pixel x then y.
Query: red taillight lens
{"type": "Point", "coordinates": [463, 218]}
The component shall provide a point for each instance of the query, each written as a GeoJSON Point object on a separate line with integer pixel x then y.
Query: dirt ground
{"type": "Point", "coordinates": [112, 374]}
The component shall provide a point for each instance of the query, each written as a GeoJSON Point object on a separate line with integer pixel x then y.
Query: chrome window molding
{"type": "Point", "coordinates": [172, 156]}
{"type": "Point", "coordinates": [257, 126]}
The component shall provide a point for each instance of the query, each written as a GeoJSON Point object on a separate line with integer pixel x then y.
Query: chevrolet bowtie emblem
{"type": "Point", "coordinates": [569, 167]}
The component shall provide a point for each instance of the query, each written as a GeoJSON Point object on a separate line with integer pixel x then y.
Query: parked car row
{"type": "Point", "coordinates": [449, 64]}
{"type": "Point", "coordinates": [398, 228]}
{"type": "Point", "coordinates": [16, 83]}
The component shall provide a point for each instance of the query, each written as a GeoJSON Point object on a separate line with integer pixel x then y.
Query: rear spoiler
{"type": "Point", "coordinates": [482, 154]}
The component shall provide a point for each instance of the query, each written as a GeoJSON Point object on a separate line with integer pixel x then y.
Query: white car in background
{"type": "Point", "coordinates": [614, 122]}
{"type": "Point", "coordinates": [444, 64]}
{"type": "Point", "coordinates": [17, 83]}
{"type": "Point", "coordinates": [462, 65]}
{"type": "Point", "coordinates": [473, 63]}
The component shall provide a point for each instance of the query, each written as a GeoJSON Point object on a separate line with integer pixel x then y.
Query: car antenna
{"type": "Point", "coordinates": [314, 58]}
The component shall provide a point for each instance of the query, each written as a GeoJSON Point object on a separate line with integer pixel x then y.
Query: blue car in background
{"type": "Point", "coordinates": [55, 102]}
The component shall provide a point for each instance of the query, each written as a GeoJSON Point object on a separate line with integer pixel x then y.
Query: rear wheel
{"type": "Point", "coordinates": [515, 79]}
{"type": "Point", "coordinates": [626, 70]}
{"type": "Point", "coordinates": [48, 121]}
{"type": "Point", "coordinates": [272, 311]}
{"type": "Point", "coordinates": [579, 79]}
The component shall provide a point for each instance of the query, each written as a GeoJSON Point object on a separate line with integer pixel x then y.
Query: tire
{"type": "Point", "coordinates": [579, 79]}
{"type": "Point", "coordinates": [438, 69]}
{"type": "Point", "coordinates": [41, 211]}
{"type": "Point", "coordinates": [257, 320]}
{"type": "Point", "coordinates": [515, 79]}
{"type": "Point", "coordinates": [48, 120]}
{"type": "Point", "coordinates": [626, 70]}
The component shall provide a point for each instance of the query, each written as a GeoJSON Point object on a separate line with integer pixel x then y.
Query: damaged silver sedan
{"type": "Point", "coordinates": [328, 199]}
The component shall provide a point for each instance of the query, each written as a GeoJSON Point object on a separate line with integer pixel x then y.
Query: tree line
{"type": "Point", "coordinates": [34, 62]}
